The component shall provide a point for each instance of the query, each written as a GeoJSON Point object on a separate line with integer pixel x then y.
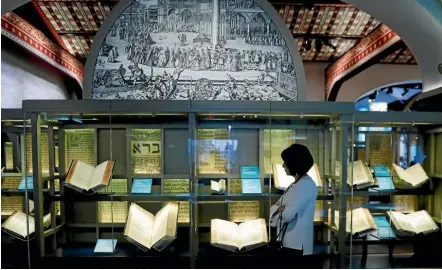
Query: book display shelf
{"type": "Point", "coordinates": [184, 152]}
{"type": "Point", "coordinates": [394, 191]}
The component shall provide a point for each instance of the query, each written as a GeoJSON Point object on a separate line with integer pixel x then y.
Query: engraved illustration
{"type": "Point", "coordinates": [194, 49]}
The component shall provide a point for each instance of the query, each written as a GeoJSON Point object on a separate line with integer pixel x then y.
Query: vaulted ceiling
{"type": "Point", "coordinates": [325, 29]}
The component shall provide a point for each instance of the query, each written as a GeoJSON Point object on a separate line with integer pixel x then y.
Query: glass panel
{"type": "Point", "coordinates": [16, 198]}
{"type": "Point", "coordinates": [320, 134]}
{"type": "Point", "coordinates": [399, 203]}
{"type": "Point", "coordinates": [232, 184]}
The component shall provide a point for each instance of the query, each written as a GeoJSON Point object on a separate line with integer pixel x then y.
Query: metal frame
{"type": "Point", "coordinates": [344, 113]}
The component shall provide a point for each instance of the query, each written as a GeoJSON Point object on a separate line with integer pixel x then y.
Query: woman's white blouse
{"type": "Point", "coordinates": [299, 213]}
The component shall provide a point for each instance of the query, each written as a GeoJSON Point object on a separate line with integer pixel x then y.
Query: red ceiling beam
{"type": "Point", "coordinates": [378, 44]}
{"type": "Point", "coordinates": [33, 40]}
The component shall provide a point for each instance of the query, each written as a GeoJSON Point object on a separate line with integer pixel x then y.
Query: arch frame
{"type": "Point", "coordinates": [269, 10]}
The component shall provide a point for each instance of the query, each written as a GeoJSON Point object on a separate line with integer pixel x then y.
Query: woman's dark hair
{"type": "Point", "coordinates": [297, 159]}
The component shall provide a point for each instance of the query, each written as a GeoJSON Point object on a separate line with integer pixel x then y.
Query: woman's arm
{"type": "Point", "coordinates": [297, 199]}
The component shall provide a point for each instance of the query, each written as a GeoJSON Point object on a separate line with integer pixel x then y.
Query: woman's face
{"type": "Point", "coordinates": [287, 171]}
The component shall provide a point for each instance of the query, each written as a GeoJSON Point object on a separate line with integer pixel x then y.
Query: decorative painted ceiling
{"type": "Point", "coordinates": [325, 29]}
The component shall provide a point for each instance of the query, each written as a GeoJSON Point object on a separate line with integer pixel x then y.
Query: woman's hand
{"type": "Point", "coordinates": [280, 209]}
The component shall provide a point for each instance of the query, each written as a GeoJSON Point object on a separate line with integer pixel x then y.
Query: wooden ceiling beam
{"type": "Point", "coordinates": [81, 33]}
{"type": "Point", "coordinates": [370, 50]}
{"type": "Point", "coordinates": [310, 3]}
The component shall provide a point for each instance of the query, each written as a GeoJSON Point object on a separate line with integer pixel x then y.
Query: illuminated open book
{"type": "Point", "coordinates": [359, 222]}
{"type": "Point", "coordinates": [361, 176]}
{"type": "Point", "coordinates": [233, 237]}
{"type": "Point", "coordinates": [283, 181]}
{"type": "Point", "coordinates": [16, 225]}
{"type": "Point", "coordinates": [414, 176]}
{"type": "Point", "coordinates": [414, 223]}
{"type": "Point", "coordinates": [218, 187]}
{"type": "Point", "coordinates": [89, 179]}
{"type": "Point", "coordinates": [148, 231]}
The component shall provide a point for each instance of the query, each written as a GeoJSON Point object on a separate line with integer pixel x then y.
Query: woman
{"type": "Point", "coordinates": [296, 208]}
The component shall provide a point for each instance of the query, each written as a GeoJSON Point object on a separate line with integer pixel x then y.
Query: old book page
{"type": "Point", "coordinates": [415, 175]}
{"type": "Point", "coordinates": [80, 145]}
{"type": "Point", "coordinates": [146, 151]}
{"type": "Point", "coordinates": [139, 225]}
{"type": "Point", "coordinates": [361, 174]}
{"type": "Point", "coordinates": [101, 174]}
{"type": "Point", "coordinates": [252, 232]}
{"type": "Point", "coordinates": [400, 221]}
{"type": "Point", "coordinates": [117, 209]}
{"type": "Point", "coordinates": [174, 186]}
{"type": "Point", "coordinates": [275, 141]}
{"type": "Point", "coordinates": [214, 152]}
{"type": "Point", "coordinates": [109, 212]}
{"type": "Point", "coordinates": [17, 224]}
{"type": "Point", "coordinates": [80, 174]}
{"type": "Point", "coordinates": [360, 220]}
{"type": "Point", "coordinates": [224, 233]}
{"type": "Point", "coordinates": [282, 180]}
{"type": "Point", "coordinates": [240, 211]}
{"type": "Point", "coordinates": [405, 203]}
{"type": "Point", "coordinates": [44, 152]}
{"type": "Point", "coordinates": [9, 159]}
{"type": "Point", "coordinates": [421, 222]}
{"type": "Point", "coordinates": [47, 220]}
{"type": "Point", "coordinates": [315, 175]}
{"type": "Point", "coordinates": [165, 224]}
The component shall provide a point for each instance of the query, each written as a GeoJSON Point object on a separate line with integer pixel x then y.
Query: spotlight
{"type": "Point", "coordinates": [308, 44]}
{"type": "Point", "coordinates": [372, 96]}
{"type": "Point", "coordinates": [318, 45]}
{"type": "Point", "coordinates": [405, 91]}
{"type": "Point", "coordinates": [328, 43]}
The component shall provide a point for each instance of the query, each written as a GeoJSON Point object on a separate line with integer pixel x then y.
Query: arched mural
{"type": "Point", "coordinates": [194, 49]}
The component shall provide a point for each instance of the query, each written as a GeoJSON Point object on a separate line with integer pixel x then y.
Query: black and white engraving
{"type": "Point", "coordinates": [194, 49]}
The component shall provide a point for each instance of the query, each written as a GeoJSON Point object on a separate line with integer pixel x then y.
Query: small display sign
{"type": "Point", "coordinates": [142, 185]}
{"type": "Point", "coordinates": [250, 171]}
{"type": "Point", "coordinates": [251, 186]}
{"type": "Point", "coordinates": [105, 246]}
{"type": "Point", "coordinates": [385, 183]}
{"type": "Point", "coordinates": [29, 183]}
{"type": "Point", "coordinates": [380, 170]}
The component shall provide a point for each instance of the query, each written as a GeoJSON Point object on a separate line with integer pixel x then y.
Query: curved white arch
{"type": "Point", "coordinates": [419, 29]}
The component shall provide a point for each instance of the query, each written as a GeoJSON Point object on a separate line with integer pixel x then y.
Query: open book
{"type": "Point", "coordinates": [414, 223]}
{"type": "Point", "coordinates": [415, 176]}
{"type": "Point", "coordinates": [233, 237]}
{"type": "Point", "coordinates": [359, 222]}
{"type": "Point", "coordinates": [283, 181]}
{"type": "Point", "coordinates": [218, 187]}
{"type": "Point", "coordinates": [16, 224]}
{"type": "Point", "coordinates": [83, 177]}
{"type": "Point", "coordinates": [148, 231]}
{"type": "Point", "coordinates": [361, 177]}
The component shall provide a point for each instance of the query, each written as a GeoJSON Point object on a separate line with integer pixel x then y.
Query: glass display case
{"type": "Point", "coordinates": [395, 192]}
{"type": "Point", "coordinates": [169, 152]}
{"type": "Point", "coordinates": [173, 175]}
{"type": "Point", "coordinates": [17, 202]}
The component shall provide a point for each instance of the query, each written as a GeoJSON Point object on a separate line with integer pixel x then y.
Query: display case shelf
{"type": "Point", "coordinates": [176, 197]}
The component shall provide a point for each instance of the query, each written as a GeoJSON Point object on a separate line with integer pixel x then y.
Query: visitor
{"type": "Point", "coordinates": [294, 212]}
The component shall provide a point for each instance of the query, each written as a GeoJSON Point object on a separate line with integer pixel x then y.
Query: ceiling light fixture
{"type": "Point", "coordinates": [318, 45]}
{"type": "Point", "coordinates": [372, 96]}
{"type": "Point", "coordinates": [405, 91]}
{"type": "Point", "coordinates": [308, 44]}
